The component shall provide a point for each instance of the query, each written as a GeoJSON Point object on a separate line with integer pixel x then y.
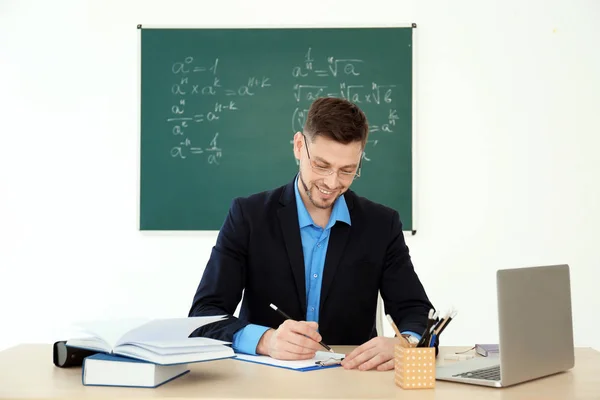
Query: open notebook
{"type": "Point", "coordinates": [322, 359]}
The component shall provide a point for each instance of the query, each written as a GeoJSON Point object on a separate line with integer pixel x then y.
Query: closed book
{"type": "Point", "coordinates": [159, 341]}
{"type": "Point", "coordinates": [110, 370]}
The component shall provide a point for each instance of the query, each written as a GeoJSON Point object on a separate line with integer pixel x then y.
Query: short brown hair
{"type": "Point", "coordinates": [336, 119]}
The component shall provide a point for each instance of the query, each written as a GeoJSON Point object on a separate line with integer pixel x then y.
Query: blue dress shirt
{"type": "Point", "coordinates": [314, 247]}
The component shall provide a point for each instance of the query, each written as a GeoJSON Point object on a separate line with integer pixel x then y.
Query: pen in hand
{"type": "Point", "coordinates": [284, 315]}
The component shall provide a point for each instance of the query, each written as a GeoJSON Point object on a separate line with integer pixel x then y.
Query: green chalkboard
{"type": "Point", "coordinates": [219, 108]}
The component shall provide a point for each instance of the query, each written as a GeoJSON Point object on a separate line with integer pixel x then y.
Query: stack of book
{"type": "Point", "coordinates": [145, 353]}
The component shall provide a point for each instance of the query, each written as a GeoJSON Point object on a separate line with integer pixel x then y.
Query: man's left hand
{"type": "Point", "coordinates": [376, 353]}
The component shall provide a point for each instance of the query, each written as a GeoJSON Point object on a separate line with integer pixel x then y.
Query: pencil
{"type": "Point", "coordinates": [398, 334]}
{"type": "Point", "coordinates": [284, 315]}
{"type": "Point", "coordinates": [391, 321]}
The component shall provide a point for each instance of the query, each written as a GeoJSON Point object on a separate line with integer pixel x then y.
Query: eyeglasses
{"type": "Point", "coordinates": [343, 175]}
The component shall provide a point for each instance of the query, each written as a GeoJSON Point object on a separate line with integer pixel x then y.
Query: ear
{"type": "Point", "coordinates": [298, 145]}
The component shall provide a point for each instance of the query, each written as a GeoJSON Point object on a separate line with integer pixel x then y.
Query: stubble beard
{"type": "Point", "coordinates": [308, 192]}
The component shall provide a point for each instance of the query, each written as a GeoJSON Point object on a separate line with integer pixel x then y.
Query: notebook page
{"type": "Point", "coordinates": [187, 342]}
{"type": "Point", "coordinates": [169, 329]}
{"type": "Point", "coordinates": [110, 331]}
{"type": "Point", "coordinates": [189, 345]}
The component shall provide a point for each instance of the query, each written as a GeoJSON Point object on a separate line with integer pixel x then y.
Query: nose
{"type": "Point", "coordinates": [331, 181]}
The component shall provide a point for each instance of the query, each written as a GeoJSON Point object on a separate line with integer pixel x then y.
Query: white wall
{"type": "Point", "coordinates": [508, 98]}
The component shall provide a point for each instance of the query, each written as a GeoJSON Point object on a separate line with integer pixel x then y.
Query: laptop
{"type": "Point", "coordinates": [535, 326]}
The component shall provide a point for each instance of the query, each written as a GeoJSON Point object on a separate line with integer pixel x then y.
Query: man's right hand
{"type": "Point", "coordinates": [293, 340]}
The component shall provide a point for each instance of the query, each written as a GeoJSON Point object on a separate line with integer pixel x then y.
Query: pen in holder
{"type": "Point", "coordinates": [414, 367]}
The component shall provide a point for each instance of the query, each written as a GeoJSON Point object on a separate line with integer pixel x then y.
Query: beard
{"type": "Point", "coordinates": [316, 197]}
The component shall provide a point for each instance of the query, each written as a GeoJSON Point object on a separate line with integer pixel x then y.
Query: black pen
{"type": "Point", "coordinates": [447, 322]}
{"type": "Point", "coordinates": [431, 320]}
{"type": "Point", "coordinates": [284, 315]}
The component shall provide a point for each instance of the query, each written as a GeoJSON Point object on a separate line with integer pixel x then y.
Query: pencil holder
{"type": "Point", "coordinates": [414, 367]}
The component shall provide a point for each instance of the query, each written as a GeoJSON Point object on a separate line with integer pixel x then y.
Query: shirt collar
{"type": "Point", "coordinates": [338, 213]}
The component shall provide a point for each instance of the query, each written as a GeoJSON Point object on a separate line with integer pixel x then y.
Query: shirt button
{"type": "Point", "coordinates": [312, 309]}
{"type": "Point", "coordinates": [319, 244]}
{"type": "Point", "coordinates": [315, 275]}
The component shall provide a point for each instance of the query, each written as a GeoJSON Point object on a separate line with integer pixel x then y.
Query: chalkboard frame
{"type": "Point", "coordinates": [414, 125]}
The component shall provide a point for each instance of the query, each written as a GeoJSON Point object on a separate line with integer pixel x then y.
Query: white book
{"type": "Point", "coordinates": [110, 370]}
{"type": "Point", "coordinates": [159, 341]}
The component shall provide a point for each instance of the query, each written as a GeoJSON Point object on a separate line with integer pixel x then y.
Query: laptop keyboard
{"type": "Point", "coordinates": [489, 374]}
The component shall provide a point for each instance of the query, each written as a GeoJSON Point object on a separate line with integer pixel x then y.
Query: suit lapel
{"type": "Point", "coordinates": [338, 238]}
{"type": "Point", "coordinates": [288, 220]}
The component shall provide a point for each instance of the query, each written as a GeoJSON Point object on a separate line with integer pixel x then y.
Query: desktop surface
{"type": "Point", "coordinates": [27, 372]}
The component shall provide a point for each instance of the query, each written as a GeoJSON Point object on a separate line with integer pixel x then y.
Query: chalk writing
{"type": "Point", "coordinates": [185, 147]}
{"type": "Point", "coordinates": [216, 151]}
{"type": "Point", "coordinates": [203, 99]}
{"type": "Point", "coordinates": [348, 66]}
{"type": "Point", "coordinates": [342, 74]}
{"type": "Point", "coordinates": [181, 67]}
{"type": "Point", "coordinates": [364, 154]}
{"type": "Point", "coordinates": [299, 119]}
{"type": "Point", "coordinates": [196, 83]}
{"type": "Point", "coordinates": [308, 92]}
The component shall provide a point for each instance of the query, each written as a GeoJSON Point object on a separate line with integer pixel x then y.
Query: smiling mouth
{"type": "Point", "coordinates": [326, 193]}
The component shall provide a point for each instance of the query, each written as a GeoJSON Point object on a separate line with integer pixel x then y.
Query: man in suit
{"type": "Point", "coordinates": [317, 251]}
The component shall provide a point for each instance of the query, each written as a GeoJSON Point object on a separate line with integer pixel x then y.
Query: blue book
{"type": "Point", "coordinates": [109, 370]}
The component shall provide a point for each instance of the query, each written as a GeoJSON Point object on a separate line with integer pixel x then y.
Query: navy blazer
{"type": "Point", "coordinates": [259, 251]}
